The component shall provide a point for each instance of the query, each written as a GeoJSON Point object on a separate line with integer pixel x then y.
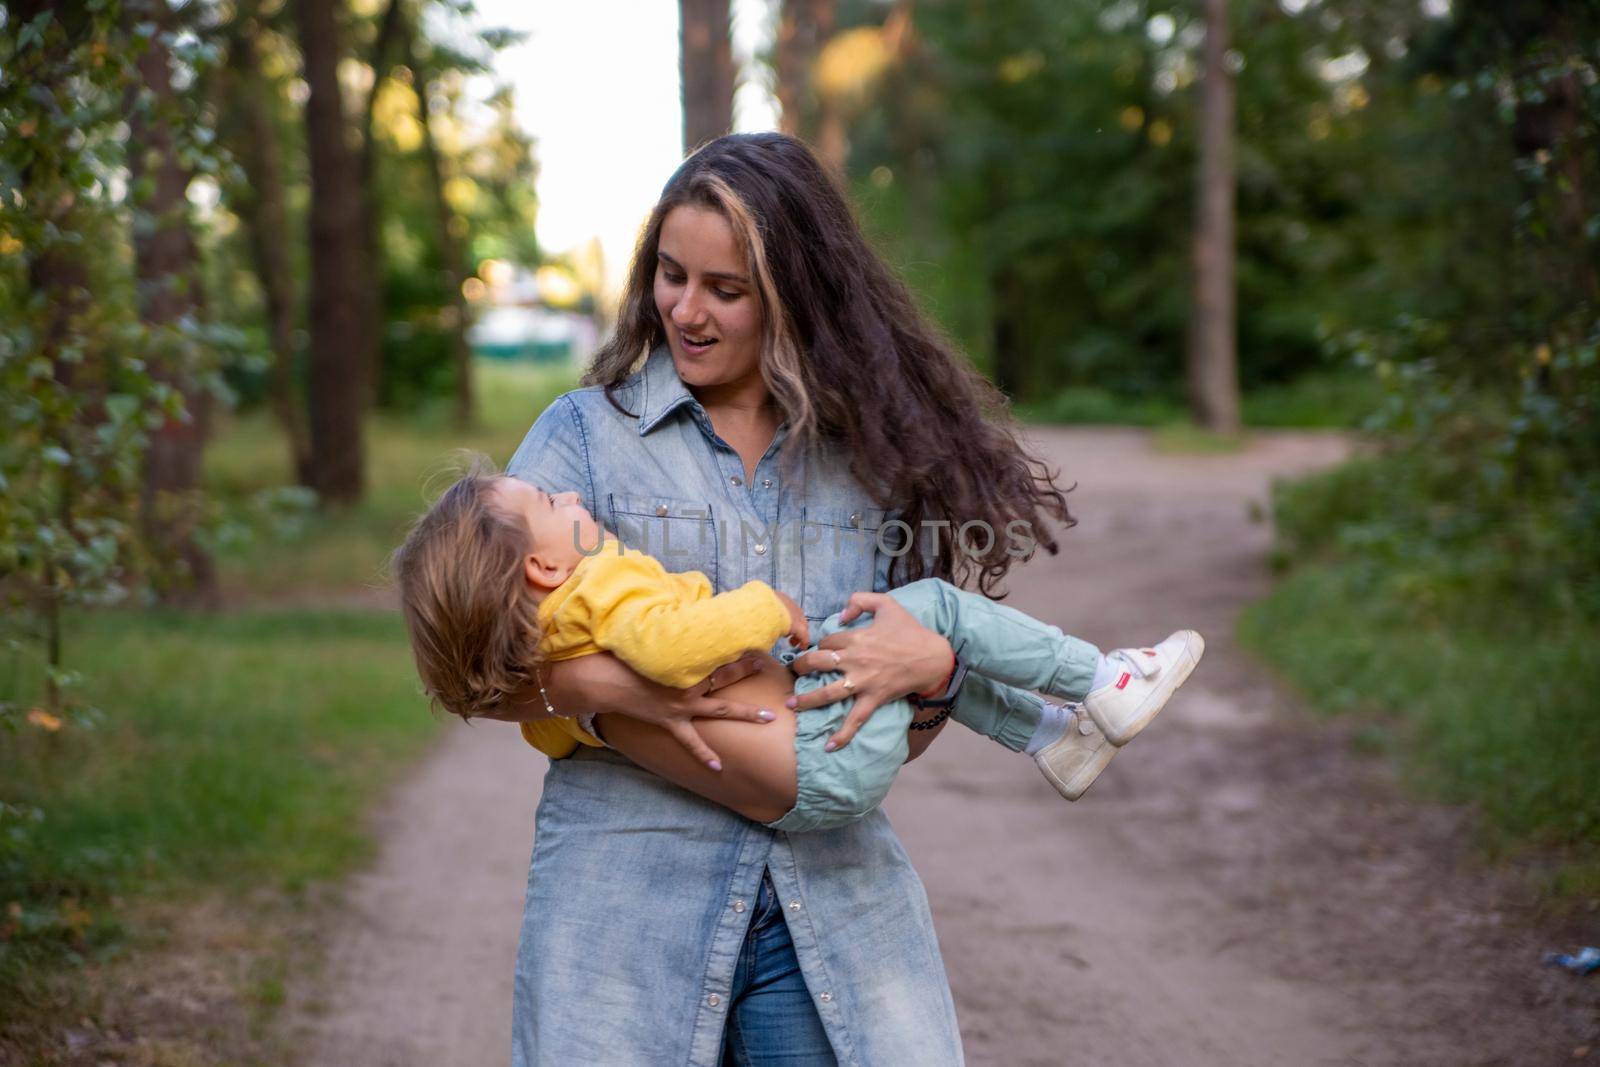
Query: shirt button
{"type": "Point", "coordinates": [661, 510]}
{"type": "Point", "coordinates": [761, 549]}
{"type": "Point", "coordinates": [736, 480]}
{"type": "Point", "coordinates": [855, 519]}
{"type": "Point", "coordinates": [713, 1000]}
{"type": "Point", "coordinates": [825, 997]}
{"type": "Point", "coordinates": [766, 483]}
{"type": "Point", "coordinates": [738, 905]}
{"type": "Point", "coordinates": [794, 905]}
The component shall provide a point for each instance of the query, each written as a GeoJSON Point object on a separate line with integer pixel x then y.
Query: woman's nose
{"type": "Point", "coordinates": [686, 312]}
{"type": "Point", "coordinates": [566, 499]}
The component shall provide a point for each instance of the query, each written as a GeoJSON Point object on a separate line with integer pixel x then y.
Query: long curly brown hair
{"type": "Point", "coordinates": [936, 442]}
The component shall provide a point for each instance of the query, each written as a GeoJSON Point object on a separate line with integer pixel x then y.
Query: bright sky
{"type": "Point", "coordinates": [596, 85]}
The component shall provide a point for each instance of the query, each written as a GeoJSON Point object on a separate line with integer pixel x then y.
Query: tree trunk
{"type": "Point", "coordinates": [166, 262]}
{"type": "Point", "coordinates": [804, 26]}
{"type": "Point", "coordinates": [383, 52]}
{"type": "Point", "coordinates": [705, 63]}
{"type": "Point", "coordinates": [342, 345]}
{"type": "Point", "coordinates": [1553, 125]}
{"type": "Point", "coordinates": [1213, 359]}
{"type": "Point", "coordinates": [832, 142]}
{"type": "Point", "coordinates": [449, 250]}
{"type": "Point", "coordinates": [262, 206]}
{"type": "Point", "coordinates": [1010, 302]}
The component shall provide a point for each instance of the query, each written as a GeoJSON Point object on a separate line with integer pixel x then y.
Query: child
{"type": "Point", "coordinates": [500, 577]}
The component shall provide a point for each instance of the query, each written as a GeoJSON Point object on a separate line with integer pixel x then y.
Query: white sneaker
{"type": "Point", "coordinates": [1147, 680]}
{"type": "Point", "coordinates": [1072, 763]}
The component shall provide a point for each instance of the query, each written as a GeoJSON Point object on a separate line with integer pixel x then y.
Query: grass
{"type": "Point", "coordinates": [235, 752]}
{"type": "Point", "coordinates": [344, 548]}
{"type": "Point", "coordinates": [1185, 438]}
{"type": "Point", "coordinates": [233, 756]}
{"type": "Point", "coordinates": [1495, 711]}
{"type": "Point", "coordinates": [1314, 401]}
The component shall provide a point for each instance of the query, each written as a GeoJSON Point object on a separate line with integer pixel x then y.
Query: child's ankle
{"type": "Point", "coordinates": [1053, 722]}
{"type": "Point", "coordinates": [1105, 672]}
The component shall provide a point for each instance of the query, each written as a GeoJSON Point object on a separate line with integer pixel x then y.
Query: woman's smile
{"type": "Point", "coordinates": [696, 344]}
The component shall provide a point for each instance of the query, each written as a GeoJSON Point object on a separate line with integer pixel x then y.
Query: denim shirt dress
{"type": "Point", "coordinates": [640, 892]}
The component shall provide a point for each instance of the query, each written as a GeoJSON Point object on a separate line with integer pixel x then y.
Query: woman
{"type": "Point", "coordinates": [793, 419]}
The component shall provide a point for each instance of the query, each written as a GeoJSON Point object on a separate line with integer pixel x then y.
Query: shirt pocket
{"type": "Point", "coordinates": [838, 551]}
{"type": "Point", "coordinates": [680, 533]}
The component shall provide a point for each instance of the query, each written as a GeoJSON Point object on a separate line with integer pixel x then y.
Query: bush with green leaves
{"type": "Point", "coordinates": [77, 396]}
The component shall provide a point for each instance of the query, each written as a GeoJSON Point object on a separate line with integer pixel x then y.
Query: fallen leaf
{"type": "Point", "coordinates": [44, 720]}
{"type": "Point", "coordinates": [73, 917]}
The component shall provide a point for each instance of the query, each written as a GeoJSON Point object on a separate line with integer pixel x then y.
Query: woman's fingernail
{"type": "Point", "coordinates": [830, 746]}
{"type": "Point", "coordinates": [715, 764]}
{"type": "Point", "coordinates": [766, 716]}
{"type": "Point", "coordinates": [790, 703]}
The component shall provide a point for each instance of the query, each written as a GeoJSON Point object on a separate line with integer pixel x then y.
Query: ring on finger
{"type": "Point", "coordinates": [835, 654]}
{"type": "Point", "coordinates": [847, 684]}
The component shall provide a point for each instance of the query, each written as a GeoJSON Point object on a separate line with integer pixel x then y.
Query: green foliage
{"type": "Point", "coordinates": [1476, 499]}
{"type": "Point", "coordinates": [1495, 710]}
{"type": "Point", "coordinates": [1449, 579]}
{"type": "Point", "coordinates": [83, 382]}
{"type": "Point", "coordinates": [215, 769]}
{"type": "Point", "coordinates": [295, 554]}
{"type": "Point", "coordinates": [489, 169]}
{"type": "Point", "coordinates": [1034, 171]}
{"type": "Point", "coordinates": [1345, 400]}
{"type": "Point", "coordinates": [1487, 486]}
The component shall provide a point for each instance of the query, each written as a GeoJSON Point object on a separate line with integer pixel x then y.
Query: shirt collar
{"type": "Point", "coordinates": [664, 392]}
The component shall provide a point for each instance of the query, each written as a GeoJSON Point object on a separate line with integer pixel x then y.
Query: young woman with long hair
{"type": "Point", "coordinates": [771, 406]}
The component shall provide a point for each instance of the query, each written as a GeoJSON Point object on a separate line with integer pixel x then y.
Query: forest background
{"type": "Point", "coordinates": [242, 244]}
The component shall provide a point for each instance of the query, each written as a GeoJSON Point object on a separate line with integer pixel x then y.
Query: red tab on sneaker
{"type": "Point", "coordinates": [1122, 682]}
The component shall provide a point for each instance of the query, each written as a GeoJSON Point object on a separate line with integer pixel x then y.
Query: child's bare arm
{"type": "Point", "coordinates": [599, 684]}
{"type": "Point", "coordinates": [799, 628]}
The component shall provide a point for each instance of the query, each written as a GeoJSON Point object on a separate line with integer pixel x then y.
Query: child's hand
{"type": "Point", "coordinates": [799, 629]}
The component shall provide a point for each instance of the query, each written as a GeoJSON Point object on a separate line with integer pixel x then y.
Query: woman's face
{"type": "Point", "coordinates": [707, 301]}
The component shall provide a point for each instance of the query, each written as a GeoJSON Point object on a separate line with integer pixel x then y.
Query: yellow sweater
{"type": "Point", "coordinates": [668, 627]}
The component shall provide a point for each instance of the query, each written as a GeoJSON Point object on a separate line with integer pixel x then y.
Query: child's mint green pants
{"type": "Point", "coordinates": [1006, 653]}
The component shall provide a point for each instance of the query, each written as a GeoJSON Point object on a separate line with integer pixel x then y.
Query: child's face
{"type": "Point", "coordinates": [561, 527]}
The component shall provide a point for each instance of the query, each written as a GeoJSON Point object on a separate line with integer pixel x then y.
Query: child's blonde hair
{"type": "Point", "coordinates": [474, 630]}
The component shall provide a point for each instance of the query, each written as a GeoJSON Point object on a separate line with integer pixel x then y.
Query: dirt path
{"type": "Point", "coordinates": [1237, 889]}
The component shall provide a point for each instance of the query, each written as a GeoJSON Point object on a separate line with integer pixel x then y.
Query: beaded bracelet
{"type": "Point", "coordinates": [931, 723]}
{"type": "Point", "coordinates": [538, 678]}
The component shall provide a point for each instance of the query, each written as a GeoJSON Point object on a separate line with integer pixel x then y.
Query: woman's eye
{"type": "Point", "coordinates": [725, 295]}
{"type": "Point", "coordinates": [674, 279]}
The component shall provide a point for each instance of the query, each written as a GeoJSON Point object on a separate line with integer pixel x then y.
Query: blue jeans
{"type": "Point", "coordinates": [771, 1019]}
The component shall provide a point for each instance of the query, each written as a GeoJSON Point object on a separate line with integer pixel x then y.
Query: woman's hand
{"type": "Point", "coordinates": [894, 656]}
{"type": "Point", "coordinates": [601, 683]}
